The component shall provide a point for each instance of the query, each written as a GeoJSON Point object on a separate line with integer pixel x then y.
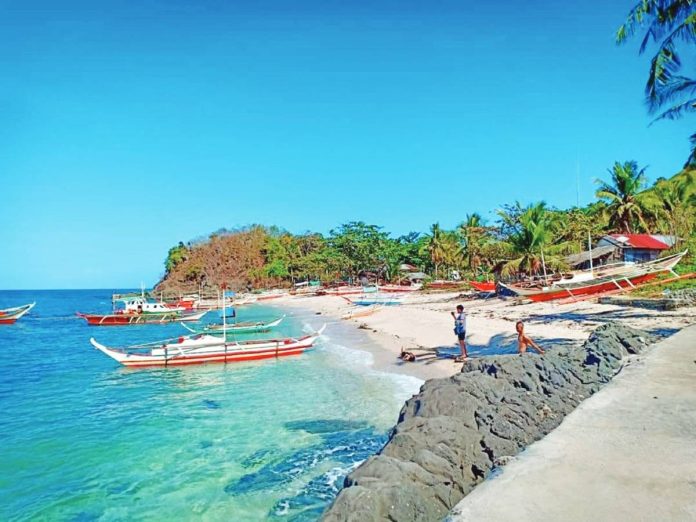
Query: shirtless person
{"type": "Point", "coordinates": [460, 332]}
{"type": "Point", "coordinates": [524, 341]}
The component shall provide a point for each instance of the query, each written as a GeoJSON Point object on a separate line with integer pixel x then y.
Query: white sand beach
{"type": "Point", "coordinates": [422, 324]}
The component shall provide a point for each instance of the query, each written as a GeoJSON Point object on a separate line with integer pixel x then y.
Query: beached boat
{"type": "Point", "coordinates": [399, 288]}
{"type": "Point", "coordinates": [444, 285]}
{"type": "Point", "coordinates": [125, 319]}
{"type": "Point", "coordinates": [10, 315]}
{"type": "Point", "coordinates": [627, 278]}
{"type": "Point", "coordinates": [483, 286]}
{"type": "Point", "coordinates": [234, 328]}
{"type": "Point", "coordinates": [203, 348]}
{"type": "Point", "coordinates": [350, 290]}
{"type": "Point", "coordinates": [369, 300]}
{"type": "Point", "coordinates": [365, 311]}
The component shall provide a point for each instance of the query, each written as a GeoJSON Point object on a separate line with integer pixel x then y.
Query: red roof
{"type": "Point", "coordinates": [641, 241]}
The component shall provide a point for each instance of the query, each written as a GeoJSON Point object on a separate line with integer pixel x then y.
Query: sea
{"type": "Point", "coordinates": [83, 438]}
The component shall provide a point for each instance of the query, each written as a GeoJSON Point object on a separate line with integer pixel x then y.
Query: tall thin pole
{"type": "Point", "coordinates": [543, 264]}
{"type": "Point", "coordinates": [577, 183]}
{"type": "Point", "coordinates": [589, 247]}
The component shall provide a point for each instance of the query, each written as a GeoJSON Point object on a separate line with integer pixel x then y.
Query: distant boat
{"type": "Point", "coordinates": [444, 285]}
{"type": "Point", "coordinates": [10, 315]}
{"type": "Point", "coordinates": [400, 288]}
{"type": "Point", "coordinates": [126, 319]}
{"type": "Point", "coordinates": [483, 286]}
{"type": "Point", "coordinates": [618, 279]}
{"type": "Point", "coordinates": [199, 349]}
{"type": "Point", "coordinates": [368, 300]}
{"type": "Point", "coordinates": [241, 327]}
{"type": "Point", "coordinates": [350, 290]}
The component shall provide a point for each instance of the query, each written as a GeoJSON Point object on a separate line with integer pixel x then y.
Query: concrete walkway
{"type": "Point", "coordinates": [626, 453]}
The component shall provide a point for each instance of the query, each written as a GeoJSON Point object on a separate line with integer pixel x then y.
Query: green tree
{"type": "Point", "coordinates": [627, 206]}
{"type": "Point", "coordinates": [362, 246]}
{"type": "Point", "coordinates": [176, 255]}
{"type": "Point", "coordinates": [675, 203]}
{"type": "Point", "coordinates": [671, 25]}
{"type": "Point", "coordinates": [475, 236]}
{"type": "Point", "coordinates": [534, 241]}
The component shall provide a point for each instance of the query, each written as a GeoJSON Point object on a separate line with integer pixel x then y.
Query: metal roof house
{"type": "Point", "coordinates": [636, 247]}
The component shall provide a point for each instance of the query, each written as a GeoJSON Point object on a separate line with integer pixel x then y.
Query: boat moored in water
{"type": "Point", "coordinates": [125, 319]}
{"type": "Point", "coordinates": [204, 348]}
{"type": "Point", "coordinates": [240, 327]}
{"type": "Point", "coordinates": [11, 315]}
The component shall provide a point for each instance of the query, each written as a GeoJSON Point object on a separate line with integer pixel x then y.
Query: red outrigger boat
{"type": "Point", "coordinates": [125, 319]}
{"type": "Point", "coordinates": [483, 286]}
{"type": "Point", "coordinates": [628, 278]}
{"type": "Point", "coordinates": [203, 348]}
{"type": "Point", "coordinates": [10, 315]}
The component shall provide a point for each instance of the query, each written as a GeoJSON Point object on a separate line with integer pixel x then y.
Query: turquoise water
{"type": "Point", "coordinates": [85, 439]}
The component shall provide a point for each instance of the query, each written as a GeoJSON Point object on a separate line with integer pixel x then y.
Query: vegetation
{"type": "Point", "coordinates": [670, 25]}
{"type": "Point", "coordinates": [523, 239]}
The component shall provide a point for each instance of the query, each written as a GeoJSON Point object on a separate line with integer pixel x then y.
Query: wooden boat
{"type": "Point", "coordinates": [10, 315]}
{"type": "Point", "coordinates": [242, 327]}
{"type": "Point", "coordinates": [203, 348]}
{"type": "Point", "coordinates": [362, 312]}
{"type": "Point", "coordinates": [125, 319]}
{"type": "Point", "coordinates": [399, 288]}
{"type": "Point", "coordinates": [350, 290]}
{"type": "Point", "coordinates": [444, 285]}
{"type": "Point", "coordinates": [369, 300]}
{"type": "Point", "coordinates": [483, 286]}
{"type": "Point", "coordinates": [632, 276]}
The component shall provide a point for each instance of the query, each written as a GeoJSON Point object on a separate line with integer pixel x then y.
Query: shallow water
{"type": "Point", "coordinates": [85, 439]}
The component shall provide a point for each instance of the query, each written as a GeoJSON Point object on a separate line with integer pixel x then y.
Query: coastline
{"type": "Point", "coordinates": [422, 324]}
{"type": "Point", "coordinates": [563, 330]}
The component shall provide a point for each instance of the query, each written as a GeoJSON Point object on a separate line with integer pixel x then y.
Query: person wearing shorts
{"type": "Point", "coordinates": [460, 331]}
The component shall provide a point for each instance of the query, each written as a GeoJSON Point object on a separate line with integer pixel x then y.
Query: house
{"type": "Point", "coordinates": [635, 248]}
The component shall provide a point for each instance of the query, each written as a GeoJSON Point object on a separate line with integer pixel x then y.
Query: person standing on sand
{"type": "Point", "coordinates": [524, 341]}
{"type": "Point", "coordinates": [460, 331]}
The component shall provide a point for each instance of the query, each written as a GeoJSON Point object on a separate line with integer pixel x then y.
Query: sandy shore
{"type": "Point", "coordinates": [626, 453]}
{"type": "Point", "coordinates": [422, 324]}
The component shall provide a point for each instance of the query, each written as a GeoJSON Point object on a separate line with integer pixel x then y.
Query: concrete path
{"type": "Point", "coordinates": [627, 453]}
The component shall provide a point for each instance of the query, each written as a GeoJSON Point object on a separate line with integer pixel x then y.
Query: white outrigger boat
{"type": "Point", "coordinates": [204, 348]}
{"type": "Point", "coordinates": [242, 327]}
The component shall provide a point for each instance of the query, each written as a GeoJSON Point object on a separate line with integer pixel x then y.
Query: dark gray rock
{"type": "Point", "coordinates": [452, 434]}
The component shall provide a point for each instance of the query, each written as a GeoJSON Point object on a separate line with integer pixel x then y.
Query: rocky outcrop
{"type": "Point", "coordinates": [455, 431]}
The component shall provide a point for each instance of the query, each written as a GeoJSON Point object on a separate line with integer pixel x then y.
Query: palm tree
{"type": "Point", "coordinates": [473, 234]}
{"type": "Point", "coordinates": [436, 246]}
{"type": "Point", "coordinates": [675, 201]}
{"type": "Point", "coordinates": [668, 23]}
{"type": "Point", "coordinates": [626, 206]}
{"type": "Point", "coordinates": [535, 235]}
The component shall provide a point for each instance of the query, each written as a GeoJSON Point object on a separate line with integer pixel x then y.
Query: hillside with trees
{"type": "Point", "coordinates": [521, 237]}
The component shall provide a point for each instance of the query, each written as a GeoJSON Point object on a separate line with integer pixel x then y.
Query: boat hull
{"type": "Point", "coordinates": [599, 288]}
{"type": "Point", "coordinates": [206, 349]}
{"type": "Point", "coordinates": [11, 315]}
{"type": "Point", "coordinates": [136, 319]}
{"type": "Point", "coordinates": [483, 286]}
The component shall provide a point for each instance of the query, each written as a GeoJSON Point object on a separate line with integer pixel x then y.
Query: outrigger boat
{"type": "Point", "coordinates": [624, 278]}
{"type": "Point", "coordinates": [124, 319]}
{"type": "Point", "coordinates": [204, 348]}
{"type": "Point", "coordinates": [242, 327]}
{"type": "Point", "coordinates": [369, 300]}
{"type": "Point", "coordinates": [400, 288]}
{"type": "Point", "coordinates": [483, 286]}
{"type": "Point", "coordinates": [10, 315]}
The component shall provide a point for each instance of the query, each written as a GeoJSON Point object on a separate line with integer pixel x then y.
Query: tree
{"type": "Point", "coordinates": [436, 247]}
{"type": "Point", "coordinates": [671, 24]}
{"type": "Point", "coordinates": [626, 205]}
{"type": "Point", "coordinates": [675, 201]}
{"type": "Point", "coordinates": [361, 245]}
{"type": "Point", "coordinates": [533, 241]}
{"type": "Point", "coordinates": [176, 255]}
{"type": "Point", "coordinates": [474, 238]}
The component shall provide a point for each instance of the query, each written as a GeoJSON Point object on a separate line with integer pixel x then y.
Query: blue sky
{"type": "Point", "coordinates": [128, 126]}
